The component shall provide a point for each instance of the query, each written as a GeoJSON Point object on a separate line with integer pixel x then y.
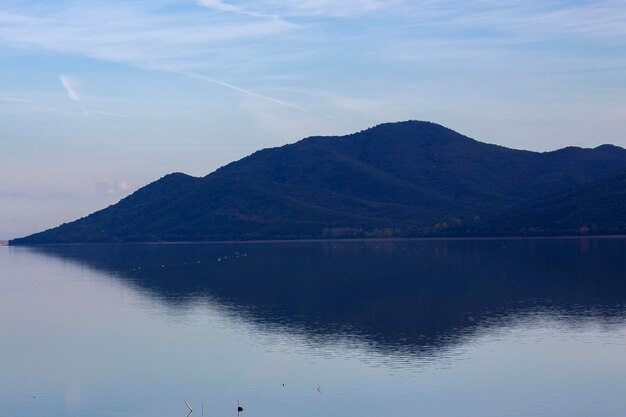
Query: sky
{"type": "Point", "coordinates": [98, 98]}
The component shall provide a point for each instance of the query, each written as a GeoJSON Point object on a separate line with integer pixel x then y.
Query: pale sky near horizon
{"type": "Point", "coordinates": [98, 98]}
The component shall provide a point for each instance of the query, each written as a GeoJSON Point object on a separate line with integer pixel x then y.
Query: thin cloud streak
{"type": "Point", "coordinates": [15, 100]}
{"type": "Point", "coordinates": [245, 91]}
{"type": "Point", "coordinates": [331, 8]}
{"type": "Point", "coordinates": [221, 6]}
{"type": "Point", "coordinates": [69, 87]}
{"type": "Point", "coordinates": [280, 9]}
{"type": "Point", "coordinates": [229, 8]}
{"type": "Point", "coordinates": [546, 98]}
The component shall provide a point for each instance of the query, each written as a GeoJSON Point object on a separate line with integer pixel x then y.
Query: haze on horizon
{"type": "Point", "coordinates": [99, 98]}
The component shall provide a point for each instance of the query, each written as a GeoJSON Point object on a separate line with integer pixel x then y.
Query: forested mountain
{"type": "Point", "coordinates": [393, 180]}
{"type": "Point", "coordinates": [598, 207]}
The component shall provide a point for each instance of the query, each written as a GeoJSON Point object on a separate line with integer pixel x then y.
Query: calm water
{"type": "Point", "coordinates": [413, 328]}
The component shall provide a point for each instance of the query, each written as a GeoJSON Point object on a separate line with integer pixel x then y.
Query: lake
{"type": "Point", "coordinates": [377, 328]}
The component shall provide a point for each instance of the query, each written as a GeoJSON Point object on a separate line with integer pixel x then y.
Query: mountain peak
{"type": "Point", "coordinates": [177, 176]}
{"type": "Point", "coordinates": [408, 126]}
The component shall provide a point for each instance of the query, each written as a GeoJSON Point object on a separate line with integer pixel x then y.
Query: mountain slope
{"type": "Point", "coordinates": [598, 207]}
{"type": "Point", "coordinates": [396, 179]}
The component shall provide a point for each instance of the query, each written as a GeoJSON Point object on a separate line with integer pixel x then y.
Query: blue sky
{"type": "Point", "coordinates": [100, 98]}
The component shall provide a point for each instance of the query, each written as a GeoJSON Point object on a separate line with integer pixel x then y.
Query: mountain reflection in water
{"type": "Point", "coordinates": [412, 296]}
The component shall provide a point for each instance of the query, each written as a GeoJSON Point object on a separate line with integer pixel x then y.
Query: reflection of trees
{"type": "Point", "coordinates": [411, 295]}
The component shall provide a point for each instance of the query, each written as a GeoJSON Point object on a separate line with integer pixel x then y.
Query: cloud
{"type": "Point", "coordinates": [229, 8]}
{"type": "Point", "coordinates": [330, 8]}
{"type": "Point", "coordinates": [108, 186]}
{"type": "Point", "coordinates": [160, 35]}
{"type": "Point", "coordinates": [525, 20]}
{"type": "Point", "coordinates": [15, 100]}
{"type": "Point", "coordinates": [70, 89]}
{"type": "Point", "coordinates": [136, 33]}
{"type": "Point", "coordinates": [141, 35]}
{"type": "Point", "coordinates": [545, 97]}
{"type": "Point", "coordinates": [245, 91]}
{"type": "Point", "coordinates": [220, 5]}
{"type": "Point", "coordinates": [281, 9]}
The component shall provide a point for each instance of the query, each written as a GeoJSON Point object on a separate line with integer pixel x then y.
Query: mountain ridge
{"type": "Point", "coordinates": [403, 179]}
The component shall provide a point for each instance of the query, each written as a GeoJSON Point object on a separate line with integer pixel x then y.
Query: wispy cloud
{"type": "Point", "coordinates": [282, 9]}
{"type": "Point", "coordinates": [141, 34]}
{"type": "Point", "coordinates": [15, 100]}
{"type": "Point", "coordinates": [220, 5]}
{"type": "Point", "coordinates": [245, 91]}
{"type": "Point", "coordinates": [519, 18]}
{"type": "Point", "coordinates": [70, 89]}
{"type": "Point", "coordinates": [108, 186]}
{"type": "Point", "coordinates": [545, 97]}
{"type": "Point", "coordinates": [230, 8]}
{"type": "Point", "coordinates": [330, 8]}
{"type": "Point", "coordinates": [222, 37]}
{"type": "Point", "coordinates": [137, 33]}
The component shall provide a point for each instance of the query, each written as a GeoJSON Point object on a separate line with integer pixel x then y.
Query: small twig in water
{"type": "Point", "coordinates": [188, 406]}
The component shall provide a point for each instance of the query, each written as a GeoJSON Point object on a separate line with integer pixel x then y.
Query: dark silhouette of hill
{"type": "Point", "coordinates": [598, 207]}
{"type": "Point", "coordinates": [397, 179]}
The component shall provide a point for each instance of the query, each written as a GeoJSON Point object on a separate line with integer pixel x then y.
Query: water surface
{"type": "Point", "coordinates": [433, 328]}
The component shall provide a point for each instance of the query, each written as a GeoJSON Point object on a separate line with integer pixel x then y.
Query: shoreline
{"type": "Point", "coordinates": [267, 241]}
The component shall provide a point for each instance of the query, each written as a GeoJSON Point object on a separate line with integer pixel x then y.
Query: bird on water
{"type": "Point", "coordinates": [239, 407]}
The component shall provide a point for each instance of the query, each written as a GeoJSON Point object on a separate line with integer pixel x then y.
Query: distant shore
{"type": "Point", "coordinates": [392, 239]}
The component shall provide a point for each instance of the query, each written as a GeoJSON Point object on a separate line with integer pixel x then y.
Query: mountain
{"type": "Point", "coordinates": [396, 179]}
{"type": "Point", "coordinates": [598, 207]}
